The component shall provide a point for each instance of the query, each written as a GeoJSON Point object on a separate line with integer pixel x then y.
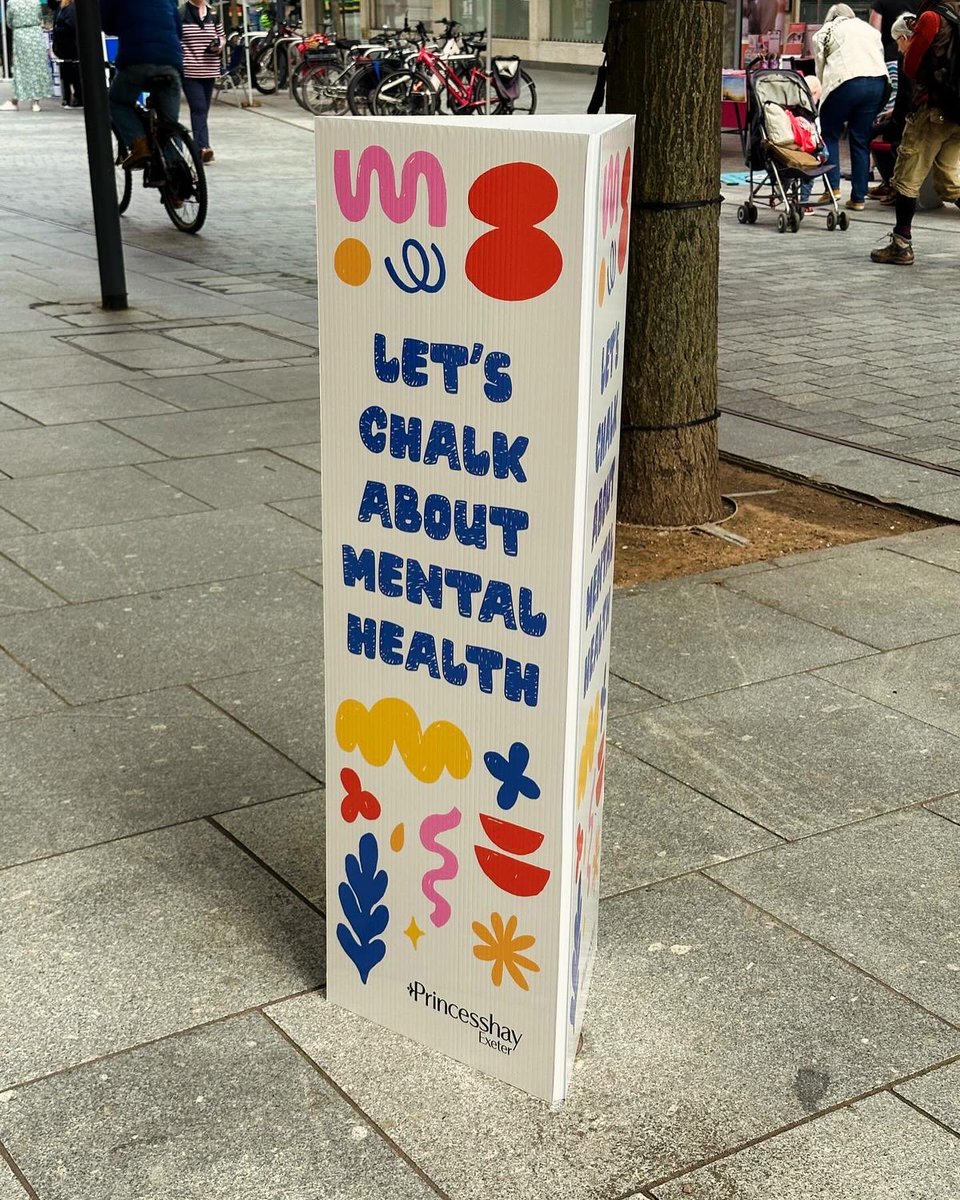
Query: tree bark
{"type": "Point", "coordinates": [664, 65]}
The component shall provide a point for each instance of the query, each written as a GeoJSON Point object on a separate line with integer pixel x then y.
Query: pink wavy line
{"type": "Point", "coordinates": [429, 828]}
{"type": "Point", "coordinates": [398, 206]}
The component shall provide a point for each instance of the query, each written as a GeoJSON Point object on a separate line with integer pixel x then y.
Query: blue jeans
{"type": "Point", "coordinates": [129, 83]}
{"type": "Point", "coordinates": [199, 93]}
{"type": "Point", "coordinates": [854, 104]}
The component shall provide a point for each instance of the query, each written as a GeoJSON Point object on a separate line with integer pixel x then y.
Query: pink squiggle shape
{"type": "Point", "coordinates": [398, 206]}
{"type": "Point", "coordinates": [429, 828]}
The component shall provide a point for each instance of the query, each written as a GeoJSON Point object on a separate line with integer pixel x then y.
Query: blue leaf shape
{"type": "Point", "coordinates": [575, 965]}
{"type": "Point", "coordinates": [359, 899]}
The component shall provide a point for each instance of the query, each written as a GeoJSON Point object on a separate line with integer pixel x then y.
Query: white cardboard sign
{"type": "Point", "coordinates": [472, 280]}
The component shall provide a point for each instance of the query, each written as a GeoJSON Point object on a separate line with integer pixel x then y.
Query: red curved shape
{"type": "Point", "coordinates": [515, 839]}
{"type": "Point", "coordinates": [511, 875]}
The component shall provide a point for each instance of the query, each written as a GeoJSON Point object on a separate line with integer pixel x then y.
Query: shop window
{"type": "Point", "coordinates": [578, 20]}
{"type": "Point", "coordinates": [511, 18]}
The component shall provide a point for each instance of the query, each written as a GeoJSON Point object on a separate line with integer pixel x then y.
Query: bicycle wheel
{"type": "Point", "coordinates": [184, 191]}
{"type": "Point", "coordinates": [322, 91]}
{"type": "Point", "coordinates": [525, 104]}
{"type": "Point", "coordinates": [264, 73]}
{"type": "Point", "coordinates": [124, 177]}
{"type": "Point", "coordinates": [300, 72]}
{"type": "Point", "coordinates": [404, 94]}
{"type": "Point", "coordinates": [361, 86]}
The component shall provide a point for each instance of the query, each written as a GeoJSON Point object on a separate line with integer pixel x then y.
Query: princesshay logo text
{"type": "Point", "coordinates": [489, 1030]}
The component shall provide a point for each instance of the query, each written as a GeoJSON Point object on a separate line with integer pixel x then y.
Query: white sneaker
{"type": "Point", "coordinates": [35, 106]}
{"type": "Point", "coordinates": [8, 106]}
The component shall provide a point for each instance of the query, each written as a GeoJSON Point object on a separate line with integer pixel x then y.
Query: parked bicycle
{"type": "Point", "coordinates": [174, 169]}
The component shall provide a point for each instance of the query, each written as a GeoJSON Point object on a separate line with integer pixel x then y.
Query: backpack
{"type": "Point", "coordinates": [943, 71]}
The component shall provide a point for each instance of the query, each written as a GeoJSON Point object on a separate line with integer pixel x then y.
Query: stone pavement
{"type": "Point", "coordinates": [776, 1005]}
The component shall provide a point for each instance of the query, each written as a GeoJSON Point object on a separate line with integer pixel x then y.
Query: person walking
{"type": "Point", "coordinates": [853, 74]}
{"type": "Point", "coordinates": [149, 58]}
{"type": "Point", "coordinates": [31, 64]}
{"type": "Point", "coordinates": [203, 40]}
{"type": "Point", "coordinates": [65, 48]}
{"type": "Point", "coordinates": [931, 136]}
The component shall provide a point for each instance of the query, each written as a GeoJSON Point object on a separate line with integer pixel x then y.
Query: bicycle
{"type": "Point", "coordinates": [174, 168]}
{"type": "Point", "coordinates": [454, 72]}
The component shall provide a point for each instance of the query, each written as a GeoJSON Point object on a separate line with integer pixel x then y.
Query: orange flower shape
{"type": "Point", "coordinates": [499, 946]}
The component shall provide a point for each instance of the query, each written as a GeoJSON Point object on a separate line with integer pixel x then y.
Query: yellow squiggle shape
{"type": "Point", "coordinates": [393, 722]}
{"type": "Point", "coordinates": [587, 749]}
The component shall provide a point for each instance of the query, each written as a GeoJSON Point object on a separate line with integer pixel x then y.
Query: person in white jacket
{"type": "Point", "coordinates": [853, 75]}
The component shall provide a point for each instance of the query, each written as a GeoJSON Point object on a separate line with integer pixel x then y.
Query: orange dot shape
{"type": "Point", "coordinates": [396, 838]}
{"type": "Point", "coordinates": [602, 287]}
{"type": "Point", "coordinates": [351, 261]}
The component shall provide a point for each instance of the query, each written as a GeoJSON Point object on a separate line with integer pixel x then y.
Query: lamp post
{"type": "Point", "coordinates": [103, 187]}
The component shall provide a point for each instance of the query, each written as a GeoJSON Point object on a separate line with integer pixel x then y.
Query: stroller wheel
{"type": "Point", "coordinates": [742, 214]}
{"type": "Point", "coordinates": [782, 223]}
{"type": "Point", "coordinates": [843, 222]}
{"type": "Point", "coordinates": [831, 221]}
{"type": "Point", "coordinates": [794, 221]}
{"type": "Point", "coordinates": [752, 213]}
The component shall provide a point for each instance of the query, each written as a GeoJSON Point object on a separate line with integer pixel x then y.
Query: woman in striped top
{"type": "Point", "coordinates": [203, 39]}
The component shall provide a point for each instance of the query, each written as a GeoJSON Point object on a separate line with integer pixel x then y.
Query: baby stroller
{"type": "Point", "coordinates": [781, 109]}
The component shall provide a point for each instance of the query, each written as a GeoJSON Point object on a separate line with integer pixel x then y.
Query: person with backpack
{"type": "Point", "coordinates": [931, 136]}
{"type": "Point", "coordinates": [65, 49]}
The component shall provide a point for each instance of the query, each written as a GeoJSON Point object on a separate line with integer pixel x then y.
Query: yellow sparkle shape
{"type": "Point", "coordinates": [413, 932]}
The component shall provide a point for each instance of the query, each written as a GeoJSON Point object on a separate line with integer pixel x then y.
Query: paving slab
{"type": "Point", "coordinates": [939, 546]}
{"type": "Point", "coordinates": [231, 1112]}
{"type": "Point", "coordinates": [164, 552]}
{"type": "Point", "coordinates": [879, 1149]}
{"type": "Point", "coordinates": [124, 766]}
{"type": "Point", "coordinates": [88, 402]}
{"type": "Point", "coordinates": [145, 351]}
{"type": "Point", "coordinates": [11, 526]}
{"type": "Point", "coordinates": [683, 640]}
{"type": "Point", "coordinates": [22, 373]}
{"type": "Point", "coordinates": [143, 937]}
{"type": "Point", "coordinates": [242, 342]}
{"type": "Point", "coordinates": [220, 431]}
{"type": "Point", "coordinates": [949, 808]}
{"type": "Point", "coordinates": [291, 383]}
{"type": "Point", "coordinates": [289, 835]}
{"type": "Point", "coordinates": [283, 705]}
{"type": "Point", "coordinates": [122, 647]}
{"type": "Point", "coordinates": [307, 454]}
{"type": "Point", "coordinates": [47, 451]}
{"type": "Point", "coordinates": [19, 592]}
{"type": "Point", "coordinates": [923, 681]}
{"type": "Point", "coordinates": [227, 480]}
{"type": "Point", "coordinates": [10, 418]}
{"type": "Point", "coordinates": [20, 695]}
{"type": "Point", "coordinates": [308, 510]}
{"type": "Point", "coordinates": [655, 827]}
{"type": "Point", "coordinates": [624, 697]}
{"type": "Point", "coordinates": [10, 1188]}
{"type": "Point", "coordinates": [707, 1025]}
{"type": "Point", "coordinates": [937, 1093]}
{"type": "Point", "coordinates": [879, 597]}
{"type": "Point", "coordinates": [97, 497]}
{"type": "Point", "coordinates": [883, 894]}
{"type": "Point", "coordinates": [196, 391]}
{"type": "Point", "coordinates": [796, 755]}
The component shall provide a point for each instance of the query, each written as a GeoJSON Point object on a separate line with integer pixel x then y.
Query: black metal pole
{"type": "Point", "coordinates": [103, 186]}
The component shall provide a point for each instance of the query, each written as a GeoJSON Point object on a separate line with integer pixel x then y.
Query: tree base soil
{"type": "Point", "coordinates": [793, 518]}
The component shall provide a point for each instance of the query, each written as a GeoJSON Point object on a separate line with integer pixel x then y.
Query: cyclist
{"type": "Point", "coordinates": [149, 58]}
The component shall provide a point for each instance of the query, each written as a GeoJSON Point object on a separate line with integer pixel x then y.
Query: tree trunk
{"type": "Point", "coordinates": [664, 65]}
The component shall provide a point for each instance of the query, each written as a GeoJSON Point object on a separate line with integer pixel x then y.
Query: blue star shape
{"type": "Point", "coordinates": [514, 782]}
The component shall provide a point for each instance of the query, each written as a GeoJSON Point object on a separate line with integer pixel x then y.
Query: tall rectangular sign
{"type": "Point", "coordinates": [472, 297]}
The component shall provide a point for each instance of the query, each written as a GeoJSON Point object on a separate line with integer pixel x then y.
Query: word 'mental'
{"type": "Point", "coordinates": [412, 365]}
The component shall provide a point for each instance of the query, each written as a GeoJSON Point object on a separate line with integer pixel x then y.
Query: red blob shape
{"type": "Point", "coordinates": [357, 802]}
{"type": "Point", "coordinates": [511, 875]}
{"type": "Point", "coordinates": [579, 848]}
{"type": "Point", "coordinates": [515, 261]}
{"type": "Point", "coordinates": [625, 211]}
{"type": "Point", "coordinates": [515, 839]}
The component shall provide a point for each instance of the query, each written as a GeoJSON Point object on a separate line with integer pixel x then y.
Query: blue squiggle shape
{"type": "Point", "coordinates": [575, 965]}
{"type": "Point", "coordinates": [417, 284]}
{"type": "Point", "coordinates": [360, 900]}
